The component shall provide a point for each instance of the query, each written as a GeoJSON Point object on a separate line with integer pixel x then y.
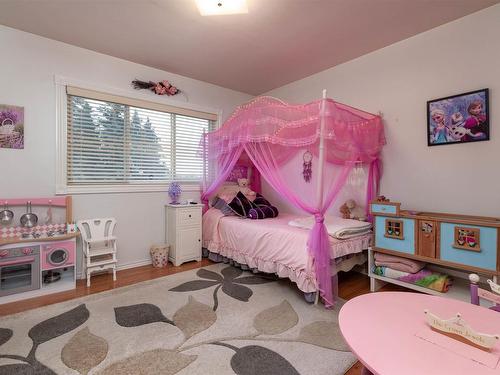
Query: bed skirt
{"type": "Point", "coordinates": [310, 297]}
{"type": "Point", "coordinates": [345, 263]}
{"type": "Point", "coordinates": [305, 281]}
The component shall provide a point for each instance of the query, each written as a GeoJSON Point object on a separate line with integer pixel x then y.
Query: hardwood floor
{"type": "Point", "coordinates": [351, 284]}
{"type": "Point", "coordinates": [100, 283]}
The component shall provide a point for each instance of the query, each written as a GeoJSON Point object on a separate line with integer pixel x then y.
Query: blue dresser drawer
{"type": "Point", "coordinates": [479, 252]}
{"type": "Point", "coordinates": [404, 245]}
{"type": "Point", "coordinates": [384, 208]}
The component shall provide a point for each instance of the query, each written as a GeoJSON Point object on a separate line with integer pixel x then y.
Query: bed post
{"type": "Point", "coordinates": [321, 155]}
{"type": "Point", "coordinates": [205, 171]}
{"type": "Point", "coordinates": [321, 163]}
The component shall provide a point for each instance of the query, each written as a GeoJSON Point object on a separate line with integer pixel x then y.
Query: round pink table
{"type": "Point", "coordinates": [384, 330]}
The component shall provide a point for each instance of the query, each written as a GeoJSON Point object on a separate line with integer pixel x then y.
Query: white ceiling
{"type": "Point", "coordinates": [277, 42]}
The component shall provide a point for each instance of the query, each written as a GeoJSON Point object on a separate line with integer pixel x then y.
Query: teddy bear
{"type": "Point", "coordinates": [350, 210]}
{"type": "Point", "coordinates": [345, 212]}
{"type": "Point", "coordinates": [244, 188]}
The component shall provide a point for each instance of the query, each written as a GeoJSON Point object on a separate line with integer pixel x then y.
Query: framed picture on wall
{"type": "Point", "coordinates": [458, 119]}
{"type": "Point", "coordinates": [11, 126]}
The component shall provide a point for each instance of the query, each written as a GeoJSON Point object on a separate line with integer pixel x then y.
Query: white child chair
{"type": "Point", "coordinates": [99, 245]}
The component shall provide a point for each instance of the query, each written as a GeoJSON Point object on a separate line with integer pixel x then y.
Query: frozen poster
{"type": "Point", "coordinates": [458, 119]}
{"type": "Point", "coordinates": [11, 126]}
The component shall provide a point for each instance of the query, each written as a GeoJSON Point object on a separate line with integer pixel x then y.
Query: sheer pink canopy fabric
{"type": "Point", "coordinates": [270, 133]}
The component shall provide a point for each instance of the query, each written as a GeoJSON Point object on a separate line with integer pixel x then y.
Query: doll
{"type": "Point", "coordinates": [476, 122]}
{"type": "Point", "coordinates": [440, 131]}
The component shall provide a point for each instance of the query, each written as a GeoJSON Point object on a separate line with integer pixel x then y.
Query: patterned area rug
{"type": "Point", "coordinates": [215, 320]}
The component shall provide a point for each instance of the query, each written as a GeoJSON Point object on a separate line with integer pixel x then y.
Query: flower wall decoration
{"type": "Point", "coordinates": [159, 88]}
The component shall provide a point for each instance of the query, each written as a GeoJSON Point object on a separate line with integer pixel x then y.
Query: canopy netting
{"type": "Point", "coordinates": [273, 136]}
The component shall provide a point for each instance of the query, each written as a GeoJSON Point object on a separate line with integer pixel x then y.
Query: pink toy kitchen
{"type": "Point", "coordinates": [37, 247]}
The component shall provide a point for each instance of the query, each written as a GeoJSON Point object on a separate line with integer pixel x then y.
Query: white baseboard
{"type": "Point", "coordinates": [123, 266]}
{"type": "Point", "coordinates": [138, 263]}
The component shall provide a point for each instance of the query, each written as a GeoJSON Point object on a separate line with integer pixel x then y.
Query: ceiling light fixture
{"type": "Point", "coordinates": [221, 7]}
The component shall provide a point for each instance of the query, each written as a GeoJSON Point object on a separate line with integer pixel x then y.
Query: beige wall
{"type": "Point", "coordinates": [398, 81]}
{"type": "Point", "coordinates": [27, 68]}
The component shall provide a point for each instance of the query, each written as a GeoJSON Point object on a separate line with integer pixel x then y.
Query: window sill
{"type": "Point", "coordinates": [139, 188]}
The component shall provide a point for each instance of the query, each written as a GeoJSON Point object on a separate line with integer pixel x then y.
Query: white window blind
{"type": "Point", "coordinates": [127, 141]}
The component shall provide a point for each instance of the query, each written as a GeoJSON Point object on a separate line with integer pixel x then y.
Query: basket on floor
{"type": "Point", "coordinates": [159, 255]}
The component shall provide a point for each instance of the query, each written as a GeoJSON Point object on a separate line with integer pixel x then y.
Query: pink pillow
{"type": "Point", "coordinates": [227, 196]}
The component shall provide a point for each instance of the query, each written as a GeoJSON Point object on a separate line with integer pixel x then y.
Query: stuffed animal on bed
{"type": "Point", "coordinates": [350, 210]}
{"type": "Point", "coordinates": [244, 188]}
{"type": "Point", "coordinates": [344, 211]}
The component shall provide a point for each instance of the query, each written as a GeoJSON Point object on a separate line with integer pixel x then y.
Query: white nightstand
{"type": "Point", "coordinates": [183, 232]}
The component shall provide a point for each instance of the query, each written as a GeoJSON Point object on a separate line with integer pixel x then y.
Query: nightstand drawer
{"type": "Point", "coordinates": [189, 217]}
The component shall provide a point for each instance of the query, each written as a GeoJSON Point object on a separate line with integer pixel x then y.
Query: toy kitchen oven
{"type": "Point", "coordinates": [37, 253]}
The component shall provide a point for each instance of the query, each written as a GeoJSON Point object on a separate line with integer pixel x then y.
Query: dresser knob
{"type": "Point", "coordinates": [189, 215]}
{"type": "Point", "coordinates": [199, 240]}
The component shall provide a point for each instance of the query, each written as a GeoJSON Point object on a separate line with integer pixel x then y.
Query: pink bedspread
{"type": "Point", "coordinates": [271, 245]}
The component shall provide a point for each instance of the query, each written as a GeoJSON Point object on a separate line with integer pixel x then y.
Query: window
{"type": "Point", "coordinates": [114, 140]}
{"type": "Point", "coordinates": [394, 229]}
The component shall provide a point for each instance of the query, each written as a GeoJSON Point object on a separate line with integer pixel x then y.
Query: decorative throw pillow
{"type": "Point", "coordinates": [241, 205]}
{"type": "Point", "coordinates": [222, 205]}
{"type": "Point", "coordinates": [263, 212]}
{"type": "Point", "coordinates": [261, 201]}
{"type": "Point", "coordinates": [262, 209]}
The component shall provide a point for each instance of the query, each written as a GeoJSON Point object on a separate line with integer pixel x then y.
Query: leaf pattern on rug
{"type": "Point", "coordinates": [17, 369]}
{"type": "Point", "coordinates": [29, 368]}
{"type": "Point", "coordinates": [158, 361]}
{"type": "Point", "coordinates": [59, 325]}
{"type": "Point", "coordinates": [5, 335]}
{"type": "Point", "coordinates": [254, 359]}
{"type": "Point", "coordinates": [229, 282]}
{"type": "Point", "coordinates": [276, 319]}
{"type": "Point", "coordinates": [84, 351]}
{"type": "Point", "coordinates": [140, 314]}
{"type": "Point", "coordinates": [41, 333]}
{"type": "Point", "coordinates": [324, 334]}
{"type": "Point", "coordinates": [194, 317]}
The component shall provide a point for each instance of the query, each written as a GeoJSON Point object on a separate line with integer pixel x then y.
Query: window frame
{"type": "Point", "coordinates": [62, 186]}
{"type": "Point", "coordinates": [389, 224]}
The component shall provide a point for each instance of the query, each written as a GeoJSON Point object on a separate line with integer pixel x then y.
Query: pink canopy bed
{"type": "Point", "coordinates": [268, 135]}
